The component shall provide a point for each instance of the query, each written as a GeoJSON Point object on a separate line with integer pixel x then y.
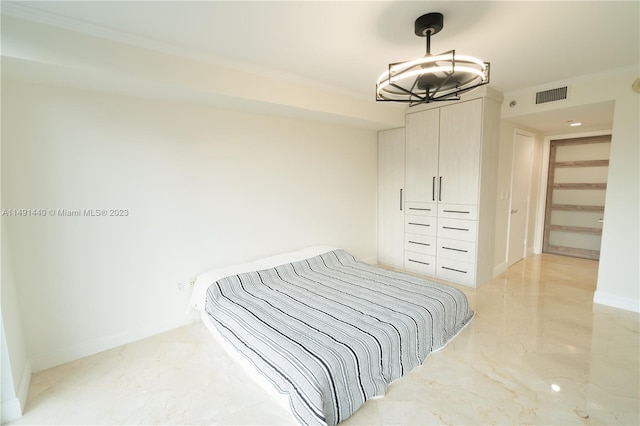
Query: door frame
{"type": "Point", "coordinates": [529, 182]}
{"type": "Point", "coordinates": [544, 176]}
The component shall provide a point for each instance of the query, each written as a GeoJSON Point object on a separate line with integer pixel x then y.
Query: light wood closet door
{"type": "Point", "coordinates": [422, 155]}
{"type": "Point", "coordinates": [390, 197]}
{"type": "Point", "coordinates": [460, 141]}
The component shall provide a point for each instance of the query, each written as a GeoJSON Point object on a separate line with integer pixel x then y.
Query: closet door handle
{"type": "Point", "coordinates": [433, 189]}
{"type": "Point", "coordinates": [440, 190]}
{"type": "Point", "coordinates": [400, 199]}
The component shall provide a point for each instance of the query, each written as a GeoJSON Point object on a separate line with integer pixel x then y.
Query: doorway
{"type": "Point", "coordinates": [576, 189]}
{"type": "Point", "coordinates": [522, 163]}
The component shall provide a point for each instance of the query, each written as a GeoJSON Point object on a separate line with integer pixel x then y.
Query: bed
{"type": "Point", "coordinates": [326, 331]}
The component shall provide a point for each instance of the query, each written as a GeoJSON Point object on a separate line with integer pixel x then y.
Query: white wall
{"type": "Point", "coordinates": [618, 273]}
{"type": "Point", "coordinates": [15, 368]}
{"type": "Point", "coordinates": [14, 387]}
{"type": "Point", "coordinates": [505, 165]}
{"type": "Point", "coordinates": [10, 408]}
{"type": "Point", "coordinates": [203, 187]}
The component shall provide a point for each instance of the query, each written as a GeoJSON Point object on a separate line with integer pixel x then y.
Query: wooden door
{"type": "Point", "coordinates": [460, 141]}
{"type": "Point", "coordinates": [390, 197]}
{"type": "Point", "coordinates": [576, 188]}
{"type": "Point", "coordinates": [422, 155]}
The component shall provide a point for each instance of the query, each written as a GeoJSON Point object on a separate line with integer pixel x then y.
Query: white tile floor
{"type": "Point", "coordinates": [537, 352]}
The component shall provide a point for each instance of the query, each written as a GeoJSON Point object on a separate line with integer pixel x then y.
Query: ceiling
{"type": "Point", "coordinates": [346, 45]}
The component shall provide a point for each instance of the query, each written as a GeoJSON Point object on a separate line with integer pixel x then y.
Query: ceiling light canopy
{"type": "Point", "coordinates": [440, 77]}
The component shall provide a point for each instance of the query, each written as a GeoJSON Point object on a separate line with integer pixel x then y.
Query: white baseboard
{"type": "Point", "coordinates": [615, 301]}
{"type": "Point", "coordinates": [13, 408]}
{"type": "Point", "coordinates": [61, 356]}
{"type": "Point", "coordinates": [371, 260]}
{"type": "Point", "coordinates": [497, 270]}
{"type": "Point", "coordinates": [25, 382]}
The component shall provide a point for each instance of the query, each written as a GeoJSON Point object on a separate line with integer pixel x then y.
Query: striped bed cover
{"type": "Point", "coordinates": [331, 331]}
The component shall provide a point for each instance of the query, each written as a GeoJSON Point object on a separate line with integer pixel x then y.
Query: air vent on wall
{"type": "Point", "coordinates": [551, 95]}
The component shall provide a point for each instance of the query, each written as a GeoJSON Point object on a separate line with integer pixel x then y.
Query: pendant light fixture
{"type": "Point", "coordinates": [441, 77]}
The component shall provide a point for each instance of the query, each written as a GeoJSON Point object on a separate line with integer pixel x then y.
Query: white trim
{"type": "Point", "coordinates": [542, 196]}
{"type": "Point", "coordinates": [25, 382]}
{"type": "Point", "coordinates": [499, 269]}
{"type": "Point", "coordinates": [608, 299]}
{"type": "Point", "coordinates": [527, 221]}
{"type": "Point", "coordinates": [373, 260]}
{"type": "Point", "coordinates": [71, 353]}
{"type": "Point", "coordinates": [11, 410]}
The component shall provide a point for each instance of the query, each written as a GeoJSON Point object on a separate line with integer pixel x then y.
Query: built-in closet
{"type": "Point", "coordinates": [447, 199]}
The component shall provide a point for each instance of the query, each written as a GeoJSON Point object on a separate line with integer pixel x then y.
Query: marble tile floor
{"type": "Point", "coordinates": [537, 352]}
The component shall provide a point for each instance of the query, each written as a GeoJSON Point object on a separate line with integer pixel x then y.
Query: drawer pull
{"type": "Point", "coordinates": [419, 224]}
{"type": "Point", "coordinates": [455, 211]}
{"type": "Point", "coordinates": [451, 269]}
{"type": "Point", "coordinates": [417, 261]}
{"type": "Point", "coordinates": [455, 229]}
{"type": "Point", "coordinates": [422, 244]}
{"type": "Point", "coordinates": [416, 208]}
{"type": "Point", "coordinates": [454, 249]}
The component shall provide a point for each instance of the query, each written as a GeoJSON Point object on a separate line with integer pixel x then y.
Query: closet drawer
{"type": "Point", "coordinates": [423, 225]}
{"type": "Point", "coordinates": [458, 211]}
{"type": "Point", "coordinates": [464, 251]}
{"type": "Point", "coordinates": [456, 229]}
{"type": "Point", "coordinates": [420, 209]}
{"type": "Point", "coordinates": [420, 263]}
{"type": "Point", "coordinates": [457, 271]}
{"type": "Point", "coordinates": [417, 243]}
